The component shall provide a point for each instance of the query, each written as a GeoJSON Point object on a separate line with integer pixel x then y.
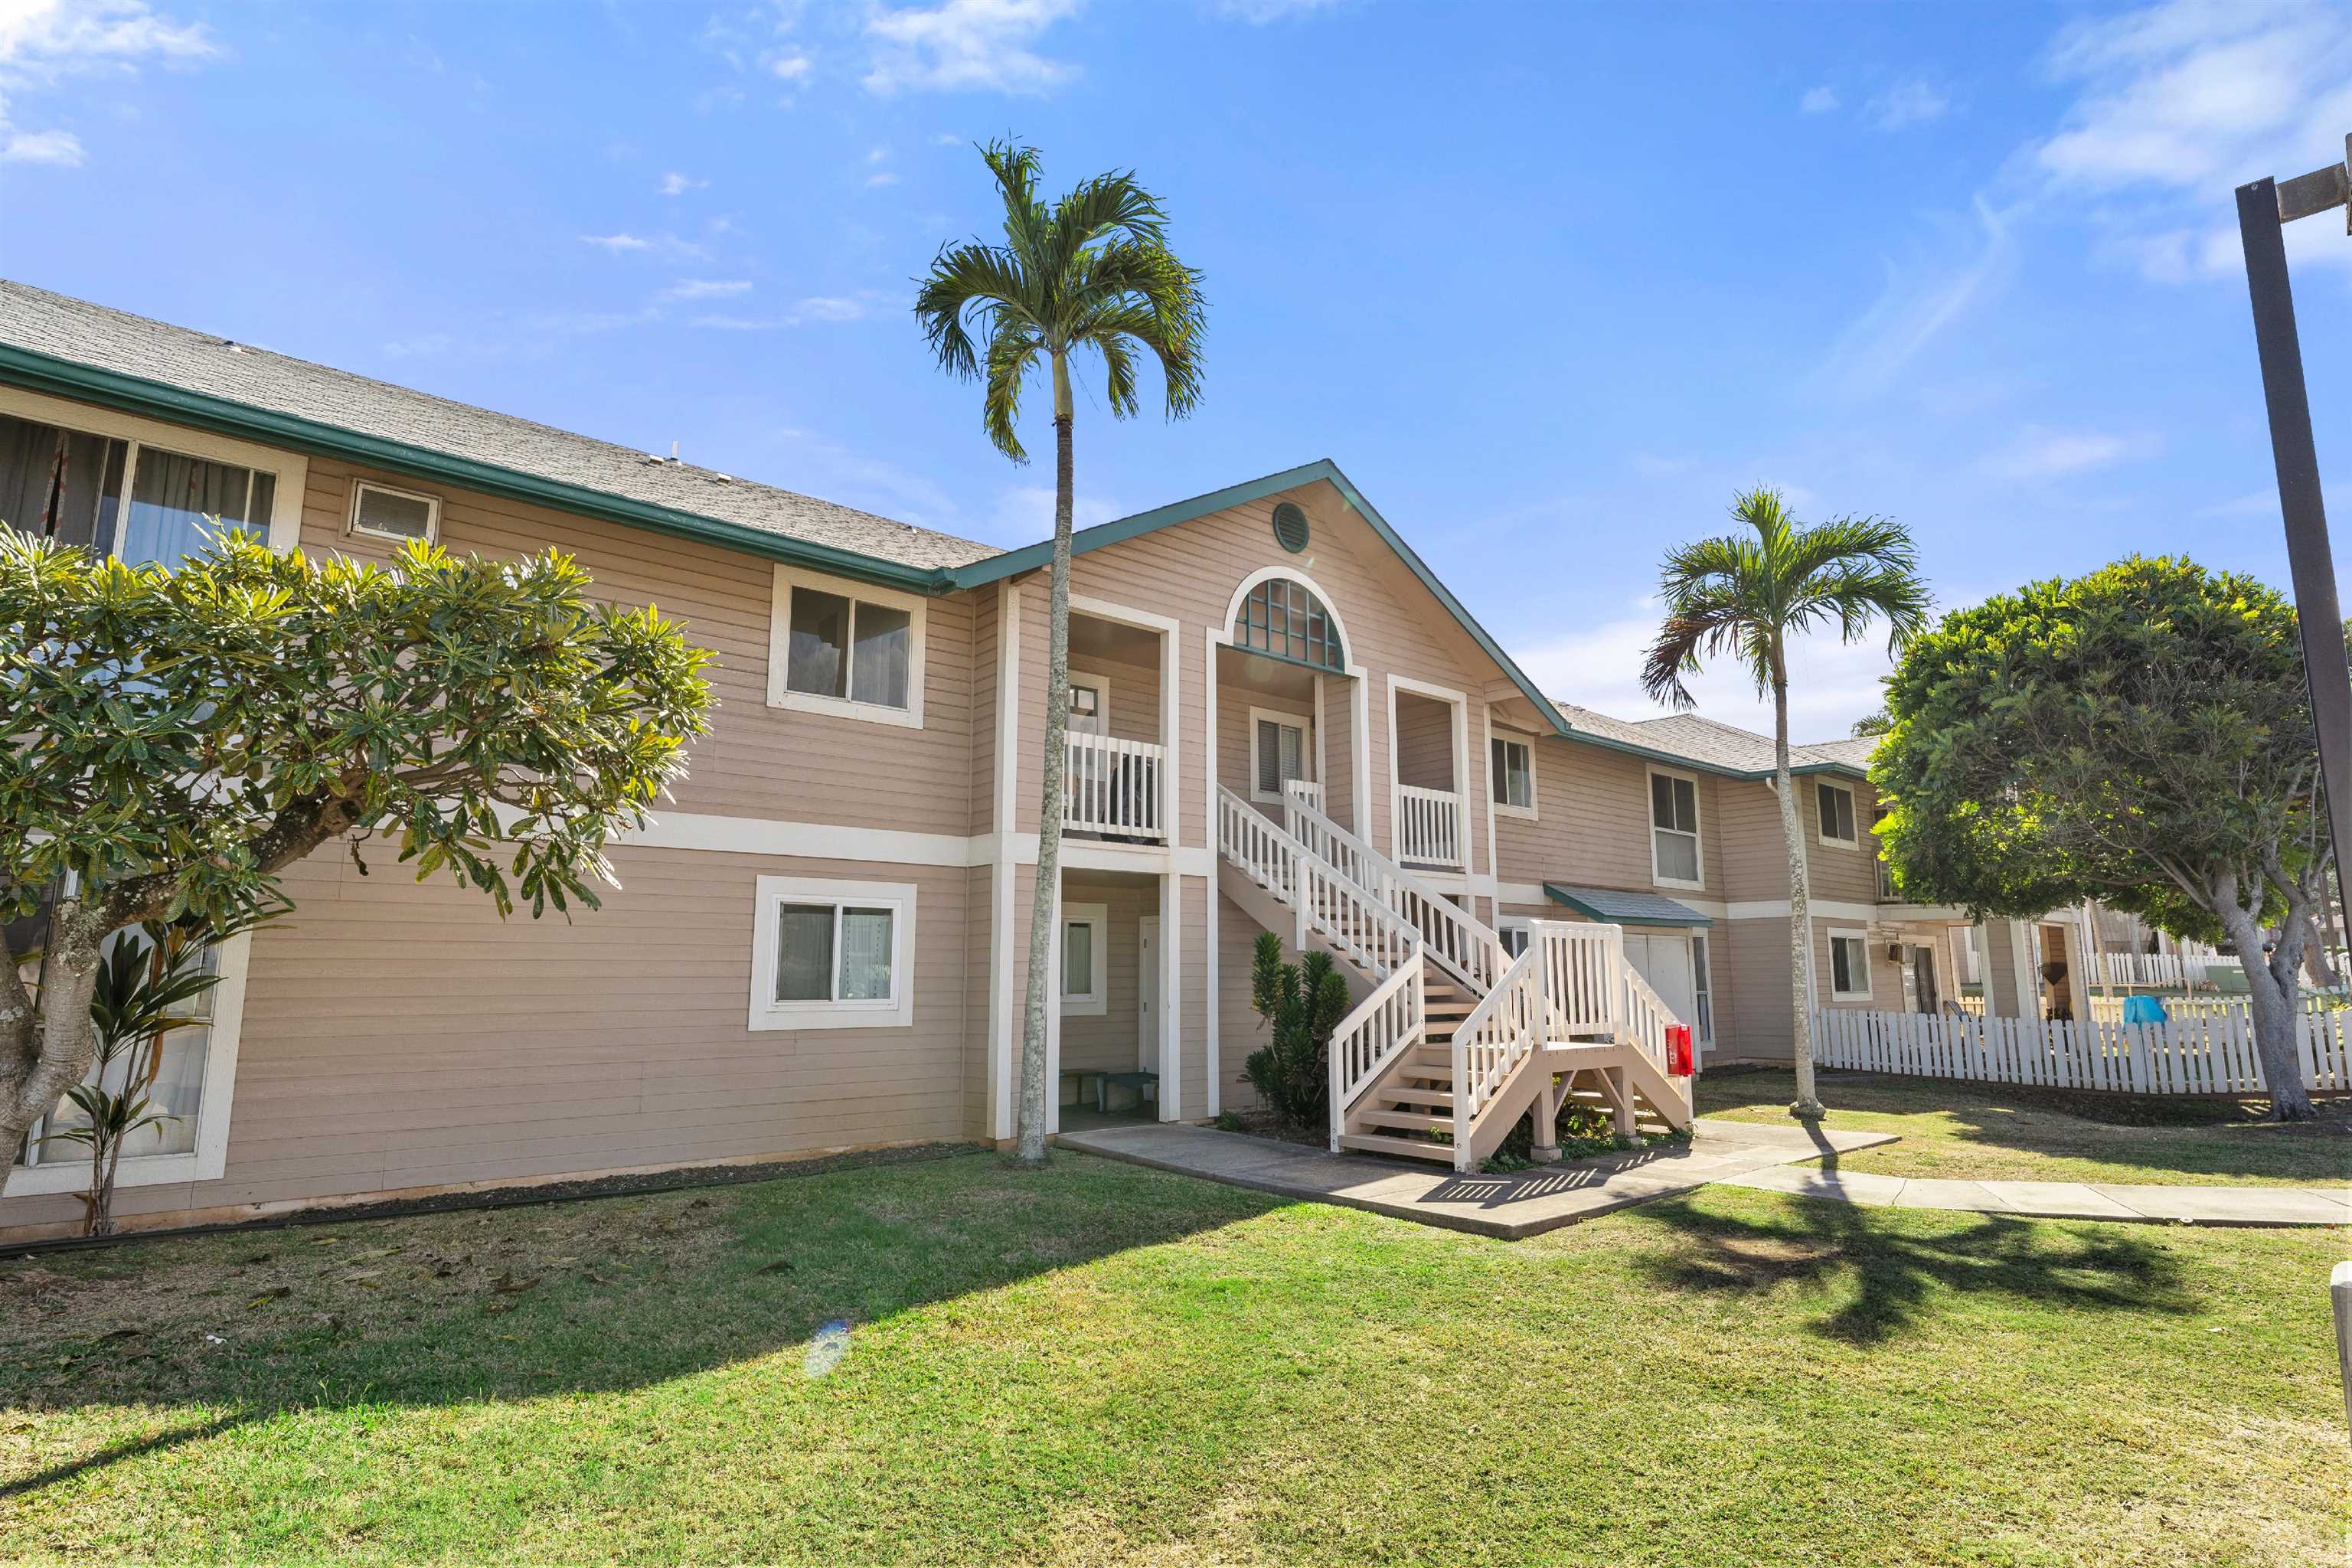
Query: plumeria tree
{"type": "Point", "coordinates": [1742, 596]}
{"type": "Point", "coordinates": [2141, 735]}
{"type": "Point", "coordinates": [172, 740]}
{"type": "Point", "coordinates": [1091, 272]}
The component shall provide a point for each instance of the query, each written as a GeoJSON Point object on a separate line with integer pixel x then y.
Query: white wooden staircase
{"type": "Point", "coordinates": [1454, 1040]}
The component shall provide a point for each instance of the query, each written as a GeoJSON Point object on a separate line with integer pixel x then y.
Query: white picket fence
{"type": "Point", "coordinates": [2210, 1053]}
{"type": "Point", "coordinates": [2169, 971]}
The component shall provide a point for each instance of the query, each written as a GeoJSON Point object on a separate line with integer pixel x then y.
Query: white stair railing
{"type": "Point", "coordinates": [1459, 942]}
{"type": "Point", "coordinates": [1392, 1020]}
{"type": "Point", "coordinates": [1429, 825]}
{"type": "Point", "coordinates": [1321, 896]}
{"type": "Point", "coordinates": [1304, 790]}
{"type": "Point", "coordinates": [1581, 967]}
{"type": "Point", "coordinates": [1499, 1035]}
{"type": "Point", "coordinates": [1115, 786]}
{"type": "Point", "coordinates": [1644, 1019]}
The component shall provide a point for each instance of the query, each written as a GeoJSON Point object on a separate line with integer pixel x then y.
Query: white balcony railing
{"type": "Point", "coordinates": [1429, 825]}
{"type": "Point", "coordinates": [1115, 787]}
{"type": "Point", "coordinates": [1305, 791]}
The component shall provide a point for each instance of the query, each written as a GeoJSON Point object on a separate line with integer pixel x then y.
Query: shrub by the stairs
{"type": "Point", "coordinates": [1300, 1005]}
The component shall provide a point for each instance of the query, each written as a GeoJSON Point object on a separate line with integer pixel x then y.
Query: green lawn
{"type": "Point", "coordinates": [1107, 1365]}
{"type": "Point", "coordinates": [1999, 1132]}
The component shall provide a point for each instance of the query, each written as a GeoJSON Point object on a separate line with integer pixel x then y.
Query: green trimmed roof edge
{"type": "Point", "coordinates": [37, 371]}
{"type": "Point", "coordinates": [1120, 530]}
{"type": "Point", "coordinates": [1560, 895]}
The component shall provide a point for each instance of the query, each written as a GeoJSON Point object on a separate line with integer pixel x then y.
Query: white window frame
{"type": "Point", "coordinates": [1861, 943]}
{"type": "Point", "coordinates": [1507, 738]}
{"type": "Point", "coordinates": [779, 640]}
{"type": "Point", "coordinates": [1095, 1001]}
{"type": "Point", "coordinates": [1853, 813]}
{"type": "Point", "coordinates": [353, 525]}
{"type": "Point", "coordinates": [896, 1011]}
{"type": "Point", "coordinates": [1302, 723]}
{"type": "Point", "coordinates": [291, 471]}
{"type": "Point", "coordinates": [1698, 828]}
{"type": "Point", "coordinates": [64, 1172]}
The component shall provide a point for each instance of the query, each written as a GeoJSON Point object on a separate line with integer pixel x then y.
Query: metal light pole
{"type": "Point", "coordinates": [2265, 209]}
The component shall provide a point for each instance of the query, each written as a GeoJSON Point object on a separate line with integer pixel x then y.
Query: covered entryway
{"type": "Point", "coordinates": [1663, 943]}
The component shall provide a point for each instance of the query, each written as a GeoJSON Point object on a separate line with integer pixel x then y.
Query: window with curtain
{"type": "Point", "coordinates": [1849, 966]}
{"type": "Point", "coordinates": [832, 954]}
{"type": "Point", "coordinates": [847, 653]}
{"type": "Point", "coordinates": [1674, 830]}
{"type": "Point", "coordinates": [138, 502]}
{"type": "Point", "coordinates": [1836, 803]}
{"type": "Point", "coordinates": [1511, 774]}
{"type": "Point", "coordinates": [1281, 755]}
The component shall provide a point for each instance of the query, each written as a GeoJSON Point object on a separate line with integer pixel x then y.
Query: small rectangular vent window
{"type": "Point", "coordinates": [393, 514]}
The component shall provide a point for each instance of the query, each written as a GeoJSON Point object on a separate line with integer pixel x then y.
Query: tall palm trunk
{"type": "Point", "coordinates": [1029, 1147]}
{"type": "Point", "coordinates": [1801, 902]}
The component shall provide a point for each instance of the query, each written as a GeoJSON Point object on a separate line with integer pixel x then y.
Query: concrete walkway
{"type": "Point", "coordinates": [1736, 1154]}
{"type": "Point", "coordinates": [1525, 1204]}
{"type": "Point", "coordinates": [2067, 1200]}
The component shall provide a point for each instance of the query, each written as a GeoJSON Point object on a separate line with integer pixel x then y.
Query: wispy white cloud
{"type": "Point", "coordinates": [1923, 297]}
{"type": "Point", "coordinates": [2179, 103]}
{"type": "Point", "coordinates": [964, 45]}
{"type": "Point", "coordinates": [678, 185]}
{"type": "Point", "coordinates": [2039, 454]}
{"type": "Point", "coordinates": [1818, 100]}
{"type": "Point", "coordinates": [628, 244]}
{"type": "Point", "coordinates": [1257, 13]}
{"type": "Point", "coordinates": [818, 309]}
{"type": "Point", "coordinates": [882, 177]}
{"type": "Point", "coordinates": [44, 43]}
{"type": "Point", "coordinates": [1906, 104]}
{"type": "Point", "coordinates": [61, 149]}
{"type": "Point", "coordinates": [689, 289]}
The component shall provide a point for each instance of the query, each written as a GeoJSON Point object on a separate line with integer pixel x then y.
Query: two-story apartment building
{"type": "Point", "coordinates": [1280, 718]}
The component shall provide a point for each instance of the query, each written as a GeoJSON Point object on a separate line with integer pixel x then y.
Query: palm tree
{"type": "Point", "coordinates": [1741, 597]}
{"type": "Point", "coordinates": [1093, 271]}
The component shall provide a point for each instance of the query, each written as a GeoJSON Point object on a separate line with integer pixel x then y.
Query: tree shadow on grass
{"type": "Point", "coordinates": [613, 1294]}
{"type": "Point", "coordinates": [1894, 1262]}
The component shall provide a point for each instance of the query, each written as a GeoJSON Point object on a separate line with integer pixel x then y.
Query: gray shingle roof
{"type": "Point", "coordinates": [204, 362]}
{"type": "Point", "coordinates": [1711, 743]}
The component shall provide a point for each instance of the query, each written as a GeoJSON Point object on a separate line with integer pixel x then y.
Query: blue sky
{"type": "Point", "coordinates": [1549, 281]}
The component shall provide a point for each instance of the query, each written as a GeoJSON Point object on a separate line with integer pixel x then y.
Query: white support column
{"type": "Point", "coordinates": [1171, 995]}
{"type": "Point", "coordinates": [1054, 1019]}
{"type": "Point", "coordinates": [1002, 957]}
{"type": "Point", "coordinates": [1213, 639]}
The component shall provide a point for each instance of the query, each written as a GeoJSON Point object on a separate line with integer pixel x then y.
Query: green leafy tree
{"type": "Point", "coordinates": [2141, 735]}
{"type": "Point", "coordinates": [1092, 271]}
{"type": "Point", "coordinates": [171, 741]}
{"type": "Point", "coordinates": [1742, 597]}
{"type": "Point", "coordinates": [1300, 1005]}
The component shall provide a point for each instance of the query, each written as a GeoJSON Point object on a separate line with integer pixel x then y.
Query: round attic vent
{"type": "Point", "coordinates": [1290, 527]}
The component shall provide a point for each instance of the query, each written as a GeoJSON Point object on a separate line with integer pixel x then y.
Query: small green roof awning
{"type": "Point", "coordinates": [1614, 907]}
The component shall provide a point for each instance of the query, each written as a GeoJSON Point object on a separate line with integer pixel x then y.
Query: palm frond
{"type": "Point", "coordinates": [967, 279]}
{"type": "Point", "coordinates": [1012, 349]}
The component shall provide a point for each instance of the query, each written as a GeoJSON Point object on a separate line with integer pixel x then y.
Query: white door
{"type": "Point", "coordinates": [1665, 962]}
{"type": "Point", "coordinates": [1147, 1012]}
